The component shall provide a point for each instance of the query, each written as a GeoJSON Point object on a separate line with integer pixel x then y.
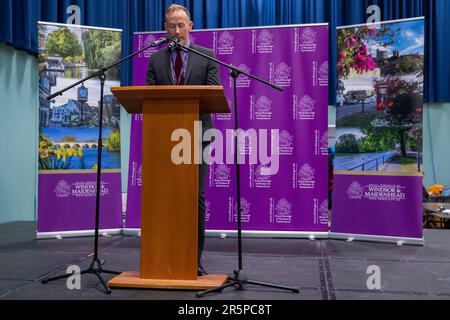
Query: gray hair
{"type": "Point", "coordinates": [176, 7]}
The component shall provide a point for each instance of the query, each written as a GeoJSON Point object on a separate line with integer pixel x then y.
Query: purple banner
{"type": "Point", "coordinates": [133, 217]}
{"type": "Point", "coordinates": [296, 197]}
{"type": "Point", "coordinates": [378, 153]}
{"type": "Point", "coordinates": [72, 197]}
{"type": "Point", "coordinates": [378, 205]}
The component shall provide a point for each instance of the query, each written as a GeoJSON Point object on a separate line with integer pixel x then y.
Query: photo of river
{"type": "Point", "coordinates": [87, 140]}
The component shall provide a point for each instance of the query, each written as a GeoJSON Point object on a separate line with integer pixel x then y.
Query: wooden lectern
{"type": "Point", "coordinates": [169, 215]}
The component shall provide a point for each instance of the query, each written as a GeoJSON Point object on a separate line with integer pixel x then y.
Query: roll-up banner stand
{"type": "Point", "coordinates": [293, 200]}
{"type": "Point", "coordinates": [378, 163]}
{"type": "Point", "coordinates": [68, 132]}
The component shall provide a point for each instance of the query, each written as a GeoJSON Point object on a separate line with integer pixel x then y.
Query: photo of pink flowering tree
{"type": "Point", "coordinates": [353, 53]}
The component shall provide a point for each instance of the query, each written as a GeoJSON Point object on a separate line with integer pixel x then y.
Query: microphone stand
{"type": "Point", "coordinates": [96, 265]}
{"type": "Point", "coordinates": [240, 278]}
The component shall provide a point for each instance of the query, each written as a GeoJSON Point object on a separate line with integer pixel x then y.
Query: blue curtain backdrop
{"type": "Point", "coordinates": [18, 19]}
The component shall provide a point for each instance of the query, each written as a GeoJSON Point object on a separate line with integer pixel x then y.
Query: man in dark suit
{"type": "Point", "coordinates": [178, 67]}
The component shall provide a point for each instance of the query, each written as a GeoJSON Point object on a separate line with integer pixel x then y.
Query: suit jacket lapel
{"type": "Point", "coordinates": [190, 64]}
{"type": "Point", "coordinates": [168, 65]}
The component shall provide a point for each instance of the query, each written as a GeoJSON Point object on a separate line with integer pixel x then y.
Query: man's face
{"type": "Point", "coordinates": [178, 24]}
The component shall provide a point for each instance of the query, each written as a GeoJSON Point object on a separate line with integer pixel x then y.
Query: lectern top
{"type": "Point", "coordinates": [211, 98]}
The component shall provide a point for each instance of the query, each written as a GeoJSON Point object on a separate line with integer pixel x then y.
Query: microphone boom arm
{"type": "Point", "coordinates": [232, 68]}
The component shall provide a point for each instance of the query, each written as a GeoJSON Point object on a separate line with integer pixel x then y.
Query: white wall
{"type": "Point", "coordinates": [18, 132]}
{"type": "Point", "coordinates": [436, 144]}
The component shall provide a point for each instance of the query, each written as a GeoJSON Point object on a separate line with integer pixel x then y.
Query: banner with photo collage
{"type": "Point", "coordinates": [68, 131]}
{"type": "Point", "coordinates": [378, 162]}
{"type": "Point", "coordinates": [295, 199]}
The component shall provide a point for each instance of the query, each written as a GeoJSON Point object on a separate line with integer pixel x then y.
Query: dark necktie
{"type": "Point", "coordinates": [179, 68]}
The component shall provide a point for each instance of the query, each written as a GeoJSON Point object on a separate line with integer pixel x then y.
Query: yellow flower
{"type": "Point", "coordinates": [70, 152]}
{"type": "Point", "coordinates": [58, 154]}
{"type": "Point", "coordinates": [80, 152]}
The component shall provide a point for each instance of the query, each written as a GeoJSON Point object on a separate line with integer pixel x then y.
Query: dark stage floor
{"type": "Point", "coordinates": [322, 269]}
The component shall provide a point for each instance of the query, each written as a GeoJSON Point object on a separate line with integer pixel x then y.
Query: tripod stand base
{"type": "Point", "coordinates": [133, 280]}
{"type": "Point", "coordinates": [240, 280]}
{"type": "Point", "coordinates": [95, 268]}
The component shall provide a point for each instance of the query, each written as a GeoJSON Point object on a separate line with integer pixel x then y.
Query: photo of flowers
{"type": "Point", "coordinates": [379, 98]}
{"type": "Point", "coordinates": [69, 124]}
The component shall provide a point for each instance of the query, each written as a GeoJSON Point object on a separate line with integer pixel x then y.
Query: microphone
{"type": "Point", "coordinates": [159, 42]}
{"type": "Point", "coordinates": [173, 43]}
